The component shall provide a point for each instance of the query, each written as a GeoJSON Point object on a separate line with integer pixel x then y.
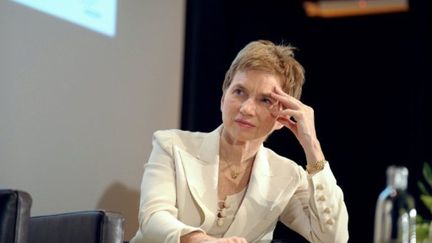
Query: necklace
{"type": "Point", "coordinates": [233, 171]}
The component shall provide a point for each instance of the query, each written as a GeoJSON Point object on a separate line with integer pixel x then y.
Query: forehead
{"type": "Point", "coordinates": [256, 80]}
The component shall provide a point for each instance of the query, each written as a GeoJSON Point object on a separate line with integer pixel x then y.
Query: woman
{"type": "Point", "coordinates": [225, 186]}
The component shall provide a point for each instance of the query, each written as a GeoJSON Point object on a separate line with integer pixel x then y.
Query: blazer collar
{"type": "Point", "coordinates": [257, 198]}
{"type": "Point", "coordinates": [202, 177]}
{"type": "Point", "coordinates": [268, 187]}
{"type": "Point", "coordinates": [201, 171]}
{"type": "Point", "coordinates": [209, 150]}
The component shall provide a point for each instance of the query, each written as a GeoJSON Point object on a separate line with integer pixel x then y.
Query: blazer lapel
{"type": "Point", "coordinates": [201, 172]}
{"type": "Point", "coordinates": [261, 198]}
{"type": "Point", "coordinates": [254, 198]}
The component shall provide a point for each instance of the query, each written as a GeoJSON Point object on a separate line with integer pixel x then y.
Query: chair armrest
{"type": "Point", "coordinates": [15, 206]}
{"type": "Point", "coordinates": [113, 230]}
{"type": "Point", "coordinates": [94, 226]}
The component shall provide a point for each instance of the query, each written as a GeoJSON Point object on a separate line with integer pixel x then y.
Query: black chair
{"type": "Point", "coordinates": [95, 226]}
{"type": "Point", "coordinates": [15, 208]}
{"type": "Point", "coordinates": [283, 234]}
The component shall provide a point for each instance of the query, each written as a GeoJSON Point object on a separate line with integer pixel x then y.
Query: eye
{"type": "Point", "coordinates": [238, 92]}
{"type": "Point", "coordinates": [267, 101]}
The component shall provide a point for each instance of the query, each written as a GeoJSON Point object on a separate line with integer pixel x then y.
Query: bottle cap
{"type": "Point", "coordinates": [397, 177]}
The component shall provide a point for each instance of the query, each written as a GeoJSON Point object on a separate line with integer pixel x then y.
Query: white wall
{"type": "Point", "coordinates": [78, 109]}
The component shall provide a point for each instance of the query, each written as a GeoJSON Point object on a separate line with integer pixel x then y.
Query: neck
{"type": "Point", "coordinates": [237, 152]}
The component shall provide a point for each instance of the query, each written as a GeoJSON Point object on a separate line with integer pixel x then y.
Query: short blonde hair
{"type": "Point", "coordinates": [265, 56]}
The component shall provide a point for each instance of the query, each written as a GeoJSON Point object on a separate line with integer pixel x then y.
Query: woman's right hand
{"type": "Point", "coordinates": [225, 240]}
{"type": "Point", "coordinates": [200, 237]}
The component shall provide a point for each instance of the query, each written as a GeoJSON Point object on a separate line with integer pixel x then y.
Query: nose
{"type": "Point", "coordinates": [248, 107]}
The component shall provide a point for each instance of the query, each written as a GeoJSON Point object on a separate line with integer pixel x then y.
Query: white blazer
{"type": "Point", "coordinates": [179, 194]}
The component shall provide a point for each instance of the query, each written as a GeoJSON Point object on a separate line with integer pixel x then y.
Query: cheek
{"type": "Point", "coordinates": [271, 118]}
{"type": "Point", "coordinates": [267, 117]}
{"type": "Point", "coordinates": [271, 122]}
{"type": "Point", "coordinates": [228, 109]}
{"type": "Point", "coordinates": [230, 105]}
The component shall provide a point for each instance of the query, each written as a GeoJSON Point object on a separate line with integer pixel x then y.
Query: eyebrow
{"type": "Point", "coordinates": [265, 95]}
{"type": "Point", "coordinates": [238, 86]}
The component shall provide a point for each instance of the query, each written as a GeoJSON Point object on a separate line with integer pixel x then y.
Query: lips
{"type": "Point", "coordinates": [244, 123]}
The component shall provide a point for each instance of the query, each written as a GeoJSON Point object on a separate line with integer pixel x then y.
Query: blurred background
{"type": "Point", "coordinates": [78, 106]}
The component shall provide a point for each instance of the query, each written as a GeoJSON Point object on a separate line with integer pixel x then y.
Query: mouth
{"type": "Point", "coordinates": [244, 123]}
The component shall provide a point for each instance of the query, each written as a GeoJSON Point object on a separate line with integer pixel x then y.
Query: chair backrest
{"type": "Point", "coordinates": [15, 206]}
{"type": "Point", "coordinates": [95, 226]}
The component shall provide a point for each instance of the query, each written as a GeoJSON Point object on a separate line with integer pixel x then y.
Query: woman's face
{"type": "Point", "coordinates": [246, 106]}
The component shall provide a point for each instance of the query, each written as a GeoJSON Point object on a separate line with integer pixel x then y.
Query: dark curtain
{"type": "Point", "coordinates": [367, 78]}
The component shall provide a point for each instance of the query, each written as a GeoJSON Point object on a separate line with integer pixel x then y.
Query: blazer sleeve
{"type": "Point", "coordinates": [317, 210]}
{"type": "Point", "coordinates": [157, 212]}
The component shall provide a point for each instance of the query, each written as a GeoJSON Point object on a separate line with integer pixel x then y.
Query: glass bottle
{"type": "Point", "coordinates": [395, 210]}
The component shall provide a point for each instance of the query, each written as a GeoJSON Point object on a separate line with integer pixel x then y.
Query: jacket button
{"type": "Point", "coordinates": [330, 222]}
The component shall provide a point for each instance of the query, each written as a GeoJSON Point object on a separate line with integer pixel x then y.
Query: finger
{"type": "Point", "coordinates": [286, 121]}
{"type": "Point", "coordinates": [290, 125]}
{"type": "Point", "coordinates": [279, 91]}
{"type": "Point", "coordinates": [289, 114]}
{"type": "Point", "coordinates": [236, 240]}
{"type": "Point", "coordinates": [241, 240]}
{"type": "Point", "coordinates": [286, 100]}
{"type": "Point", "coordinates": [275, 107]}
